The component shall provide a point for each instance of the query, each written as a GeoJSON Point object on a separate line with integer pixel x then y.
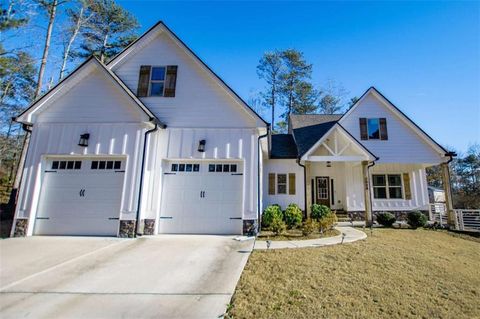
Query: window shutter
{"type": "Point", "coordinates": [171, 81]}
{"type": "Point", "coordinates": [363, 128]}
{"type": "Point", "coordinates": [406, 186]}
{"type": "Point", "coordinates": [271, 184]}
{"type": "Point", "coordinates": [383, 129]}
{"type": "Point", "coordinates": [291, 183]}
{"type": "Point", "coordinates": [143, 80]}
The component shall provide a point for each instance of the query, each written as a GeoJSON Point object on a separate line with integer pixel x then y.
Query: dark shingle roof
{"type": "Point", "coordinates": [283, 146]}
{"type": "Point", "coordinates": [307, 136]}
{"type": "Point", "coordinates": [303, 120]}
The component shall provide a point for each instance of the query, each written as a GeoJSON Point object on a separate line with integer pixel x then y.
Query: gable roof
{"type": "Point", "coordinates": [409, 122]}
{"type": "Point", "coordinates": [42, 100]}
{"type": "Point", "coordinates": [307, 136]}
{"type": "Point", "coordinates": [160, 26]}
{"type": "Point", "coordinates": [283, 146]}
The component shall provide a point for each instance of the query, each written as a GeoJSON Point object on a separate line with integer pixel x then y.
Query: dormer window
{"type": "Point", "coordinates": [373, 128]}
{"type": "Point", "coordinates": [157, 81]}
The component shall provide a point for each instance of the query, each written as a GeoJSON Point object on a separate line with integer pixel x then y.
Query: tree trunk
{"type": "Point", "coordinates": [52, 10]}
{"type": "Point", "coordinates": [104, 47]}
{"type": "Point", "coordinates": [273, 108]}
{"type": "Point", "coordinates": [66, 53]}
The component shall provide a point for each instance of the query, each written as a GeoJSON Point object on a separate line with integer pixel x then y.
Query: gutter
{"type": "Point", "coordinates": [258, 177]}
{"type": "Point", "coordinates": [304, 186]}
{"type": "Point", "coordinates": [140, 190]}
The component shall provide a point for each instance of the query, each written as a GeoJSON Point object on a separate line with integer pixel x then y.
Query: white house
{"type": "Point", "coordinates": [155, 142]}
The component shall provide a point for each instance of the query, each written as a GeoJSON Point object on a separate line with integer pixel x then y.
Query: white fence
{"type": "Point", "coordinates": [465, 219]}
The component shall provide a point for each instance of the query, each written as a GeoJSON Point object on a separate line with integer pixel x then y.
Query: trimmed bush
{"type": "Point", "coordinates": [309, 226]}
{"type": "Point", "coordinates": [319, 211]}
{"type": "Point", "coordinates": [293, 216]}
{"type": "Point", "coordinates": [416, 219]}
{"type": "Point", "coordinates": [386, 219]}
{"type": "Point", "coordinates": [278, 226]}
{"type": "Point", "coordinates": [327, 222]}
{"type": "Point", "coordinates": [270, 213]}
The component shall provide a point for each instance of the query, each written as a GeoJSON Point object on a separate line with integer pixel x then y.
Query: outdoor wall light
{"type": "Point", "coordinates": [201, 146]}
{"type": "Point", "coordinates": [329, 164]}
{"type": "Point", "coordinates": [84, 140]}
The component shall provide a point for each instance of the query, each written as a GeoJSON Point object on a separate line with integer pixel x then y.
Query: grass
{"type": "Point", "coordinates": [392, 274]}
{"type": "Point", "coordinates": [296, 234]}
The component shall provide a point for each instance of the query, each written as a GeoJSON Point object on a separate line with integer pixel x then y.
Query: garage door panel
{"type": "Point", "coordinates": [80, 202]}
{"type": "Point", "coordinates": [202, 202]}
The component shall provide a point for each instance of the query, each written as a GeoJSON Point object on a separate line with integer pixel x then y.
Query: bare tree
{"type": "Point", "coordinates": [332, 98]}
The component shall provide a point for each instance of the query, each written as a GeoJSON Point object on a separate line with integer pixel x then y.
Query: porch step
{"type": "Point", "coordinates": [342, 216]}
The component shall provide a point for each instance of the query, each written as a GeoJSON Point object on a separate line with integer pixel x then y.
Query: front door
{"type": "Point", "coordinates": [323, 193]}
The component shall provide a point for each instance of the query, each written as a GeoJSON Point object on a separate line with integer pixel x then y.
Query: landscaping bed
{"type": "Point", "coordinates": [296, 234]}
{"type": "Point", "coordinates": [393, 274]}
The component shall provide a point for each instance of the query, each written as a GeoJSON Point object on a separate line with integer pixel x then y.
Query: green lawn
{"type": "Point", "coordinates": [392, 274]}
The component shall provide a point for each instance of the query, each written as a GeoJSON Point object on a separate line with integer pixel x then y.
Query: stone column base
{"type": "Point", "coordinates": [21, 225]}
{"type": "Point", "coordinates": [127, 229]}
{"type": "Point", "coordinates": [149, 226]}
{"type": "Point", "coordinates": [250, 227]}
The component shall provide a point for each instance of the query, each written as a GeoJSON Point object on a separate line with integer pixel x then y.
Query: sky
{"type": "Point", "coordinates": [423, 56]}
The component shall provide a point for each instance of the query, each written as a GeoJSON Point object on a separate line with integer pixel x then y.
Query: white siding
{"type": "Point", "coordinates": [199, 99]}
{"type": "Point", "coordinates": [94, 99]}
{"type": "Point", "coordinates": [62, 139]}
{"type": "Point", "coordinates": [403, 144]}
{"type": "Point", "coordinates": [418, 186]}
{"type": "Point", "coordinates": [182, 144]}
{"type": "Point", "coordinates": [284, 166]}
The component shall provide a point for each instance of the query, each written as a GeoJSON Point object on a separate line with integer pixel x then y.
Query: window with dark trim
{"type": "Point", "coordinates": [387, 186]}
{"type": "Point", "coordinates": [281, 183]}
{"type": "Point", "coordinates": [108, 165]}
{"type": "Point", "coordinates": [177, 167]}
{"type": "Point", "coordinates": [69, 165]}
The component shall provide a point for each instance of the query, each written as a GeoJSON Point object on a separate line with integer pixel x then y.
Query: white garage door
{"type": "Point", "coordinates": [202, 198]}
{"type": "Point", "coordinates": [80, 197]}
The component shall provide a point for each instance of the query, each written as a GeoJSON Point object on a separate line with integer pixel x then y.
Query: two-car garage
{"type": "Point", "coordinates": [83, 196]}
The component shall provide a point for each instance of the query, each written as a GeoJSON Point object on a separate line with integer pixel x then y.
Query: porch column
{"type": "Point", "coordinates": [308, 190]}
{"type": "Point", "coordinates": [366, 193]}
{"type": "Point", "coordinates": [448, 195]}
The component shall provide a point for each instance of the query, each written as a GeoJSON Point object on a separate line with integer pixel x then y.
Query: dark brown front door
{"type": "Point", "coordinates": [322, 190]}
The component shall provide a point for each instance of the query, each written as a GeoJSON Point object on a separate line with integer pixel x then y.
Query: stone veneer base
{"type": "Point", "coordinates": [399, 215]}
{"type": "Point", "coordinates": [127, 229]}
{"type": "Point", "coordinates": [148, 226]}
{"type": "Point", "coordinates": [21, 226]}
{"type": "Point", "coordinates": [250, 227]}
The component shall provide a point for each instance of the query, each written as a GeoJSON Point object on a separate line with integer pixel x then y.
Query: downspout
{"type": "Point", "coordinates": [304, 186]}
{"type": "Point", "coordinates": [258, 177]}
{"type": "Point", "coordinates": [372, 164]}
{"type": "Point", "coordinates": [137, 219]}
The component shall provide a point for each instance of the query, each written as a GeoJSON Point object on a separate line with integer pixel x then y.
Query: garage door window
{"type": "Point", "coordinates": [67, 165]}
{"type": "Point", "coordinates": [106, 165]}
{"type": "Point", "coordinates": [185, 167]}
{"type": "Point", "coordinates": [225, 168]}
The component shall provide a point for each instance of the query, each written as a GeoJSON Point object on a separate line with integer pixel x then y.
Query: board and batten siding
{"type": "Point", "coordinates": [403, 144]}
{"type": "Point", "coordinates": [182, 144]}
{"type": "Point", "coordinates": [52, 139]}
{"type": "Point", "coordinates": [199, 100]}
{"type": "Point", "coordinates": [283, 166]}
{"type": "Point", "coordinates": [418, 187]}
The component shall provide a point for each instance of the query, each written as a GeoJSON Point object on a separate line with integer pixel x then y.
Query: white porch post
{"type": "Point", "coordinates": [448, 195]}
{"type": "Point", "coordinates": [366, 192]}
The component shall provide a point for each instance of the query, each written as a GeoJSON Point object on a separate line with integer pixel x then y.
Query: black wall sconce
{"type": "Point", "coordinates": [201, 146]}
{"type": "Point", "coordinates": [84, 140]}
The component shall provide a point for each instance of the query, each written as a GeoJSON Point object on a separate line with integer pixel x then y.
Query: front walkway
{"type": "Point", "coordinates": [349, 235]}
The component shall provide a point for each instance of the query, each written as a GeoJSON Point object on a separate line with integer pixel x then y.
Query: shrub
{"type": "Point", "coordinates": [293, 216]}
{"type": "Point", "coordinates": [386, 219]}
{"type": "Point", "coordinates": [319, 211]}
{"type": "Point", "coordinates": [278, 226]}
{"type": "Point", "coordinates": [309, 226]}
{"type": "Point", "coordinates": [416, 219]}
{"type": "Point", "coordinates": [327, 221]}
{"type": "Point", "coordinates": [270, 213]}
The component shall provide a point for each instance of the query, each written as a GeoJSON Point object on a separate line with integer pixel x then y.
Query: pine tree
{"type": "Point", "coordinates": [269, 68]}
{"type": "Point", "coordinates": [110, 29]}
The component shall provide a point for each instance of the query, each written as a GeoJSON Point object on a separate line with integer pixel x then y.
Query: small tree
{"type": "Point", "coordinates": [319, 211]}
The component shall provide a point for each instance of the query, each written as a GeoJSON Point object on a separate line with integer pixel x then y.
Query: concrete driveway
{"type": "Point", "coordinates": [168, 276]}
